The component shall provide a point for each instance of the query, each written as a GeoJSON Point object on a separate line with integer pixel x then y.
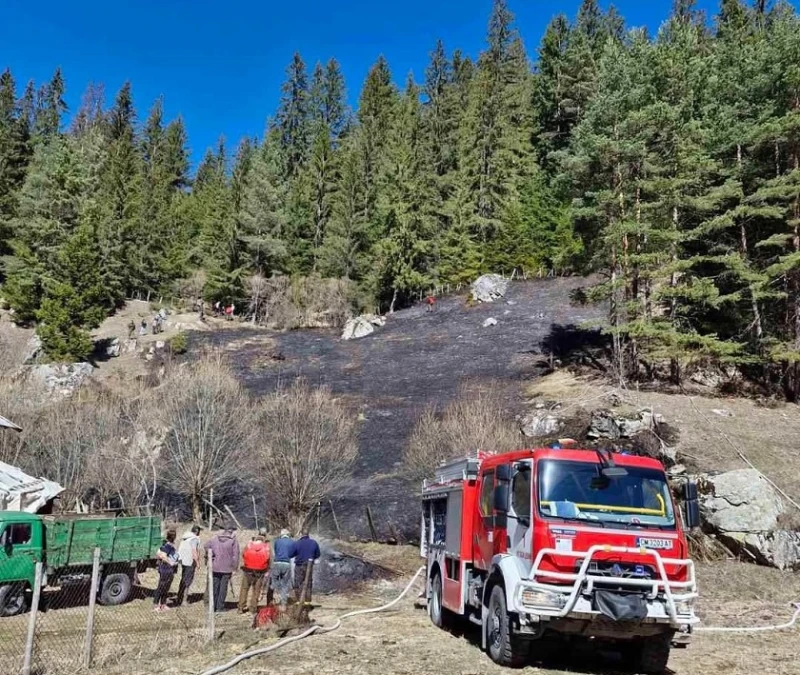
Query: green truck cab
{"type": "Point", "coordinates": [65, 545]}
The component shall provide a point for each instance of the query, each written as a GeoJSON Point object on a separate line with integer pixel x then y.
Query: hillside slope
{"type": "Point", "coordinates": [417, 359]}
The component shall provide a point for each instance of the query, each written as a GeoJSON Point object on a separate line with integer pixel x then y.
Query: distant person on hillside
{"type": "Point", "coordinates": [229, 311]}
{"type": "Point", "coordinates": [431, 302]}
{"type": "Point", "coordinates": [143, 329]}
{"type": "Point", "coordinates": [255, 565]}
{"type": "Point", "coordinates": [167, 562]}
{"type": "Point", "coordinates": [217, 308]}
{"type": "Point", "coordinates": [156, 326]}
{"type": "Point", "coordinates": [189, 555]}
{"type": "Point", "coordinates": [131, 329]}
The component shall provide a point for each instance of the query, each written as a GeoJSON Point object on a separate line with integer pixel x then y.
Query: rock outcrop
{"type": "Point", "coordinates": [33, 350]}
{"type": "Point", "coordinates": [743, 510]}
{"type": "Point", "coordinates": [489, 287]}
{"type": "Point", "coordinates": [60, 379]}
{"type": "Point", "coordinates": [358, 327]}
{"type": "Point", "coordinates": [540, 424]}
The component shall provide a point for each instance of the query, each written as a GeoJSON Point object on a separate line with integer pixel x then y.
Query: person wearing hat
{"type": "Point", "coordinates": [255, 565]}
{"type": "Point", "coordinates": [280, 574]}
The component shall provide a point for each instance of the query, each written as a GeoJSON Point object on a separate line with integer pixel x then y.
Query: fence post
{"type": "Point", "coordinates": [88, 640]}
{"type": "Point", "coordinates": [210, 592]}
{"type": "Point", "coordinates": [37, 593]}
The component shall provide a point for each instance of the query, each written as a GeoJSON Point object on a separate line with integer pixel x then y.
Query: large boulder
{"type": "Point", "coordinates": [489, 287]}
{"type": "Point", "coordinates": [540, 424]}
{"type": "Point", "coordinates": [357, 328]}
{"type": "Point", "coordinates": [60, 379]}
{"type": "Point", "coordinates": [743, 510]}
{"type": "Point", "coordinates": [114, 348]}
{"type": "Point", "coordinates": [739, 501]}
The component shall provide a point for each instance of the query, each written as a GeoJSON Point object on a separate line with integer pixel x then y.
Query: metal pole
{"type": "Point", "coordinates": [37, 593]}
{"type": "Point", "coordinates": [255, 512]}
{"type": "Point", "coordinates": [211, 510]}
{"type": "Point", "coordinates": [210, 564]}
{"type": "Point", "coordinates": [87, 642]}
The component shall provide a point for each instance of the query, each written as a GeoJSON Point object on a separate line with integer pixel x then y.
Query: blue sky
{"type": "Point", "coordinates": [220, 63]}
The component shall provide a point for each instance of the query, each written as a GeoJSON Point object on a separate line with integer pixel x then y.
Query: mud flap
{"type": "Point", "coordinates": [620, 607]}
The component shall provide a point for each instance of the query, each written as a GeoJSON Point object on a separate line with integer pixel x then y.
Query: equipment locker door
{"type": "Point", "coordinates": [483, 543]}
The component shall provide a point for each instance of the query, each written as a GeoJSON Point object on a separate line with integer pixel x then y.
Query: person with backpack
{"type": "Point", "coordinates": [225, 560]}
{"type": "Point", "coordinates": [255, 565]}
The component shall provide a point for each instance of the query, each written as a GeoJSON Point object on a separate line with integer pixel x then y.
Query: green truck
{"type": "Point", "coordinates": [65, 545]}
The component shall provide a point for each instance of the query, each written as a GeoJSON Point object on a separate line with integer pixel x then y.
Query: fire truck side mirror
{"type": "Point", "coordinates": [504, 472]}
{"type": "Point", "coordinates": [501, 497]}
{"type": "Point", "coordinates": [692, 505]}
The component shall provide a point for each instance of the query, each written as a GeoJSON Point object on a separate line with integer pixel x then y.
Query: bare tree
{"type": "Point", "coordinates": [307, 449]}
{"type": "Point", "coordinates": [475, 420]}
{"type": "Point", "coordinates": [209, 423]}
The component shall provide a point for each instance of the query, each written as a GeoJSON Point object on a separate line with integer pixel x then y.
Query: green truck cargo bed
{"type": "Point", "coordinates": [72, 540]}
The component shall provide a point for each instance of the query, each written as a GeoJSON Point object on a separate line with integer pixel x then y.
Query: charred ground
{"type": "Point", "coordinates": [418, 359]}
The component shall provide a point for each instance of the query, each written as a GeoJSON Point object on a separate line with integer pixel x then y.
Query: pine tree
{"type": "Point", "coordinates": [50, 107]}
{"type": "Point", "coordinates": [293, 117]}
{"type": "Point", "coordinates": [407, 206]}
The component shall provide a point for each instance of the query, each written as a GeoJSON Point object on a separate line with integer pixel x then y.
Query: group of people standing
{"type": "Point", "coordinates": [285, 564]}
{"type": "Point", "coordinates": [158, 324]}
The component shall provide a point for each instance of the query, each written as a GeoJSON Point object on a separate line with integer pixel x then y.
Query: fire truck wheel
{"type": "Point", "coordinates": [650, 655]}
{"type": "Point", "coordinates": [440, 617]}
{"type": "Point", "coordinates": [505, 648]}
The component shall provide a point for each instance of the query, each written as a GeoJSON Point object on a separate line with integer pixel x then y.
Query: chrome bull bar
{"type": "Point", "coordinates": [582, 581]}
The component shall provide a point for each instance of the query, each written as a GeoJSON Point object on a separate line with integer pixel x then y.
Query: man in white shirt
{"type": "Point", "coordinates": [189, 558]}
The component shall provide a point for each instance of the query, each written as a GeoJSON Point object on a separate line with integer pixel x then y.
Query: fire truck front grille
{"type": "Point", "coordinates": [624, 570]}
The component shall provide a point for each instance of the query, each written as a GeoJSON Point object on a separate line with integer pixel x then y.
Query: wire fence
{"type": "Point", "coordinates": [76, 627]}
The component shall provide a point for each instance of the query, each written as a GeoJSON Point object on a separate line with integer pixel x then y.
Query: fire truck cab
{"type": "Point", "coordinates": [560, 542]}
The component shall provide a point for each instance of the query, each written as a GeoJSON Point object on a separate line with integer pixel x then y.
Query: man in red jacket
{"type": "Point", "coordinates": [255, 565]}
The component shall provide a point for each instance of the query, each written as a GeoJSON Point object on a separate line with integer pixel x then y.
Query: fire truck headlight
{"type": "Point", "coordinates": [533, 598]}
{"type": "Point", "coordinates": [684, 607]}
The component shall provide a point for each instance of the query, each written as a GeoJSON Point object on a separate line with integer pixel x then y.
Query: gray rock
{"type": "Point", "coordinates": [739, 502]}
{"type": "Point", "coordinates": [33, 350]}
{"type": "Point", "coordinates": [130, 346]}
{"type": "Point", "coordinates": [780, 549]}
{"type": "Point", "coordinates": [491, 321]}
{"type": "Point", "coordinates": [489, 287]}
{"type": "Point", "coordinates": [604, 425]}
{"type": "Point", "coordinates": [356, 328]}
{"type": "Point", "coordinates": [541, 424]}
{"type": "Point", "coordinates": [160, 344]}
{"type": "Point", "coordinates": [375, 319]}
{"type": "Point", "coordinates": [114, 349]}
{"type": "Point", "coordinates": [607, 424]}
{"type": "Point", "coordinates": [60, 379]}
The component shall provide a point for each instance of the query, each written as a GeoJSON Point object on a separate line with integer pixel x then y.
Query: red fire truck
{"type": "Point", "coordinates": [561, 543]}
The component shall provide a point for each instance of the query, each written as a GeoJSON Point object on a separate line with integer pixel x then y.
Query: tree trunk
{"type": "Point", "coordinates": [197, 507]}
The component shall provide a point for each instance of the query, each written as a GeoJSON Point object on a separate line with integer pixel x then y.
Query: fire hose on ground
{"type": "Point", "coordinates": [327, 629]}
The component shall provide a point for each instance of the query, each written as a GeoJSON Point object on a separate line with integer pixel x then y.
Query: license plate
{"type": "Point", "coordinates": [660, 544]}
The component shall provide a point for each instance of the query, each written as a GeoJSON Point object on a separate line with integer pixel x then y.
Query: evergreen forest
{"type": "Point", "coordinates": [666, 165]}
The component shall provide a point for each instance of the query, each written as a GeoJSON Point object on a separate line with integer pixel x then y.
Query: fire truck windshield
{"type": "Point", "coordinates": [578, 491]}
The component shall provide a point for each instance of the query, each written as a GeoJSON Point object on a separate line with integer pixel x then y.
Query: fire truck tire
{"type": "Point", "coordinates": [440, 616]}
{"type": "Point", "coordinates": [650, 655]}
{"type": "Point", "coordinates": [505, 648]}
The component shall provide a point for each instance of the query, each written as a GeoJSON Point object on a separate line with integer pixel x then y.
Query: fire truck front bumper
{"type": "Point", "coordinates": [585, 602]}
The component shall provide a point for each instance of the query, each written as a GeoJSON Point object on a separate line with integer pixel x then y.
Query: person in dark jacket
{"type": "Point", "coordinates": [225, 559]}
{"type": "Point", "coordinates": [167, 562]}
{"type": "Point", "coordinates": [281, 567]}
{"type": "Point", "coordinates": [307, 555]}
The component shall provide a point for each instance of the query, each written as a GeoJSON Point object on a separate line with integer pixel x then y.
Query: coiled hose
{"type": "Point", "coordinates": [311, 631]}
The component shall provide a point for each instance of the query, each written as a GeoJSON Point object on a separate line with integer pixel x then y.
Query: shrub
{"type": "Point", "coordinates": [306, 451]}
{"type": "Point", "coordinates": [179, 343]}
{"type": "Point", "coordinates": [474, 421]}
